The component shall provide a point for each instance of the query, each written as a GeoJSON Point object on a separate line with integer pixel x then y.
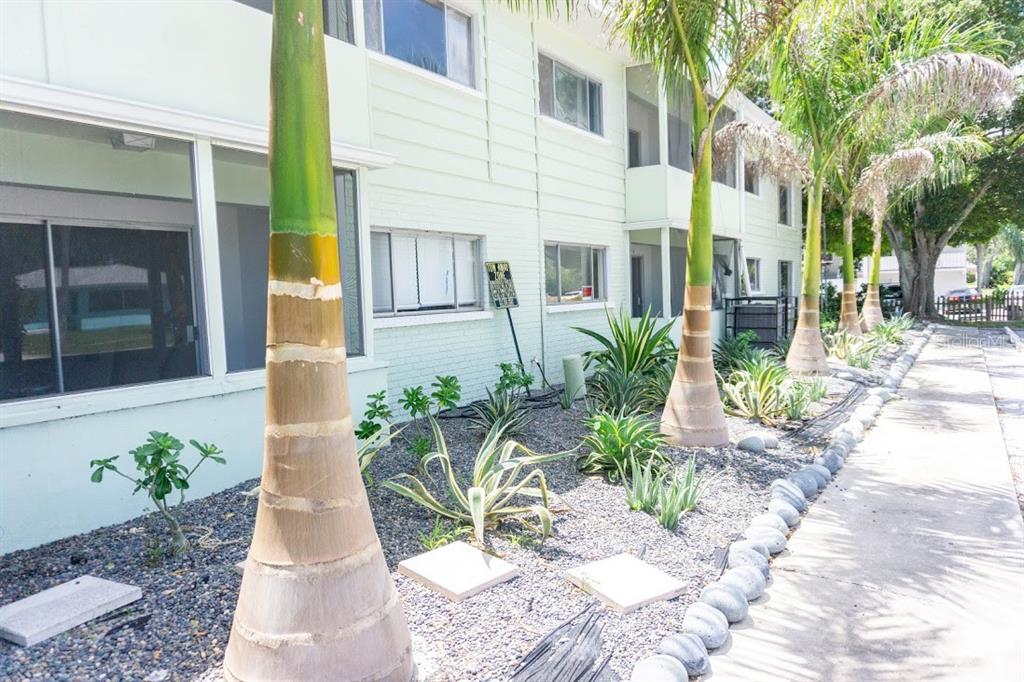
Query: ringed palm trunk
{"type": "Point", "coordinates": [316, 600]}
{"type": "Point", "coordinates": [848, 321]}
{"type": "Point", "coordinates": [807, 352]}
{"type": "Point", "coordinates": [693, 414]}
{"type": "Point", "coordinates": [872, 301]}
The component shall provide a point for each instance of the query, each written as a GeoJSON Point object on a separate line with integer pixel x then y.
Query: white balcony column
{"type": "Point", "coordinates": [666, 273]}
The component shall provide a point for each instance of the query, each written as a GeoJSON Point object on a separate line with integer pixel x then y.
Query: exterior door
{"type": "Point", "coordinates": [636, 284]}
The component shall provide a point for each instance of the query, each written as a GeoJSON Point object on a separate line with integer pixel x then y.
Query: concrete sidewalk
{"type": "Point", "coordinates": [910, 565]}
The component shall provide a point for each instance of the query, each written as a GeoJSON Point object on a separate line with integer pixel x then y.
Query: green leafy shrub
{"type": "Point", "coordinates": [415, 401]}
{"type": "Point", "coordinates": [891, 331]}
{"type": "Point", "coordinates": [816, 389]}
{"type": "Point", "coordinates": [160, 473]}
{"type": "Point", "coordinates": [497, 482]}
{"type": "Point", "coordinates": [731, 350]}
{"type": "Point", "coordinates": [628, 373]}
{"type": "Point", "coordinates": [681, 495]}
{"type": "Point", "coordinates": [503, 410]}
{"type": "Point", "coordinates": [795, 401]}
{"type": "Point", "coordinates": [378, 414]}
{"type": "Point", "coordinates": [514, 378]}
{"type": "Point", "coordinates": [643, 489]}
{"type": "Point", "coordinates": [861, 357]}
{"type": "Point", "coordinates": [615, 440]}
{"type": "Point", "coordinates": [446, 394]}
{"type": "Point", "coordinates": [756, 389]}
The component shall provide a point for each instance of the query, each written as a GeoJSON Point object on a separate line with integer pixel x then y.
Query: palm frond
{"type": "Point", "coordinates": [769, 150]}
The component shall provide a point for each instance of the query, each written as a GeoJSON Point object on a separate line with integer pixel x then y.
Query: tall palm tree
{"type": "Point", "coordinates": [707, 47]}
{"type": "Point", "coordinates": [867, 65]}
{"type": "Point", "coordinates": [317, 600]}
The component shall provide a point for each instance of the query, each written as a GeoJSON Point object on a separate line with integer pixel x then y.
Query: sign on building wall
{"type": "Point", "coordinates": [500, 285]}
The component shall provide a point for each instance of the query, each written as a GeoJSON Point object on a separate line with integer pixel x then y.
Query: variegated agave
{"type": "Point", "coordinates": [497, 484]}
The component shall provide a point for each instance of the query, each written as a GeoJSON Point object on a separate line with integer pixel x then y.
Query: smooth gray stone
{"type": "Point", "coordinates": [830, 460]}
{"type": "Point", "coordinates": [846, 376]}
{"type": "Point", "coordinates": [748, 579]}
{"type": "Point", "coordinates": [791, 489]}
{"type": "Point", "coordinates": [881, 391]}
{"type": "Point", "coordinates": [874, 401]}
{"type": "Point", "coordinates": [752, 444]}
{"type": "Point", "coordinates": [771, 538]}
{"type": "Point", "coordinates": [707, 623]}
{"type": "Point", "coordinates": [770, 520]}
{"type": "Point", "coordinates": [838, 446]}
{"type": "Point", "coordinates": [659, 668]}
{"type": "Point", "coordinates": [785, 510]}
{"type": "Point", "coordinates": [742, 556]}
{"type": "Point", "coordinates": [853, 427]}
{"type": "Point", "coordinates": [688, 649]}
{"type": "Point", "coordinates": [798, 502]}
{"type": "Point", "coordinates": [891, 383]}
{"type": "Point", "coordinates": [825, 472]}
{"type": "Point", "coordinates": [769, 440]}
{"type": "Point", "coordinates": [728, 599]}
{"type": "Point", "coordinates": [865, 415]}
{"type": "Point", "coordinates": [820, 478]}
{"type": "Point", "coordinates": [806, 481]}
{"type": "Point", "coordinates": [759, 547]}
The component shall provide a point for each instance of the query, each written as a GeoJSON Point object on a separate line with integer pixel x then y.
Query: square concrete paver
{"type": "Point", "coordinates": [625, 583]}
{"type": "Point", "coordinates": [30, 620]}
{"type": "Point", "coordinates": [457, 570]}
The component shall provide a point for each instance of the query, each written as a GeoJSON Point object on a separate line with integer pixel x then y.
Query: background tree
{"type": "Point", "coordinates": [704, 46]}
{"type": "Point", "coordinates": [317, 600]}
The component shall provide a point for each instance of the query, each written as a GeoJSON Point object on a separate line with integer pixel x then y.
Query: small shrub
{"type": "Point", "coordinates": [514, 378]}
{"type": "Point", "coordinates": [731, 350]}
{"type": "Point", "coordinates": [861, 357]}
{"type": "Point", "coordinates": [161, 472]}
{"type": "Point", "coordinates": [643, 488]}
{"type": "Point", "coordinates": [565, 401]}
{"type": "Point", "coordinates": [415, 401]}
{"type": "Point", "coordinates": [502, 410]}
{"type": "Point", "coordinates": [756, 389]}
{"type": "Point", "coordinates": [446, 394]}
{"type": "Point", "coordinates": [891, 331]}
{"type": "Point", "coordinates": [497, 482]}
{"type": "Point", "coordinates": [441, 534]}
{"type": "Point", "coordinates": [816, 389]}
{"type": "Point", "coordinates": [377, 415]}
{"type": "Point", "coordinates": [795, 402]}
{"type": "Point", "coordinates": [616, 391]}
{"type": "Point", "coordinates": [615, 440]}
{"type": "Point", "coordinates": [681, 495]}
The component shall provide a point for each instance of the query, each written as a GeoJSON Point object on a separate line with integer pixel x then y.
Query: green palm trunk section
{"type": "Point", "coordinates": [302, 179]}
{"type": "Point", "coordinates": [699, 240]}
{"type": "Point", "coordinates": [811, 279]}
{"type": "Point", "coordinates": [876, 263]}
{"type": "Point", "coordinates": [848, 273]}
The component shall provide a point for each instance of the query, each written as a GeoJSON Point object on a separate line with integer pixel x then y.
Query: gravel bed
{"type": "Point", "coordinates": [179, 628]}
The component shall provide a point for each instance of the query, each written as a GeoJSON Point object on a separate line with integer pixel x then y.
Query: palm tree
{"type": "Point", "coordinates": [1013, 237]}
{"type": "Point", "coordinates": [851, 70]}
{"type": "Point", "coordinates": [707, 47]}
{"type": "Point", "coordinates": [317, 600]}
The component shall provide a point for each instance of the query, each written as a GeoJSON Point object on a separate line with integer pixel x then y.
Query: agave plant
{"type": "Point", "coordinates": [755, 391]}
{"type": "Point", "coordinates": [644, 487]}
{"type": "Point", "coordinates": [371, 446]}
{"type": "Point", "coordinates": [616, 440]}
{"type": "Point", "coordinates": [502, 410]}
{"type": "Point", "coordinates": [682, 495]}
{"type": "Point", "coordinates": [497, 483]}
{"type": "Point", "coordinates": [891, 331]}
{"type": "Point", "coordinates": [730, 350]}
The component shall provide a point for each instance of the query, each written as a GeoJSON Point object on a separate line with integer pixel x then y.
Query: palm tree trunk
{"type": "Point", "coordinates": [693, 414]}
{"type": "Point", "coordinates": [848, 321]}
{"type": "Point", "coordinates": [872, 301]}
{"type": "Point", "coordinates": [807, 352]}
{"type": "Point", "coordinates": [317, 600]}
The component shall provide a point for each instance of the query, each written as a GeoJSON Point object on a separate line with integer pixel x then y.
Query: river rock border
{"type": "Point", "coordinates": [706, 623]}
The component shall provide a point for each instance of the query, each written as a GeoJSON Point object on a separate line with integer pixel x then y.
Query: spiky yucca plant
{"type": "Point", "coordinates": [615, 440]}
{"type": "Point", "coordinates": [496, 484]}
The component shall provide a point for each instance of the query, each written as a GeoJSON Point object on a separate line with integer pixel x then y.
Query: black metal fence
{"type": "Point", "coordinates": [772, 318]}
{"type": "Point", "coordinates": [993, 308]}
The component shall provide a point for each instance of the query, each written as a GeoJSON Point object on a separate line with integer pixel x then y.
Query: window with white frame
{"type": "Point", "coordinates": [337, 16]}
{"type": "Point", "coordinates": [242, 186]}
{"type": "Point", "coordinates": [569, 96]}
{"type": "Point", "coordinates": [424, 272]}
{"type": "Point", "coordinates": [785, 277]}
{"type": "Point", "coordinates": [785, 208]}
{"type": "Point", "coordinates": [724, 171]}
{"type": "Point", "coordinates": [96, 258]}
{"type": "Point", "coordinates": [429, 34]}
{"type": "Point", "coordinates": [751, 179]}
{"type": "Point", "coordinates": [754, 274]}
{"type": "Point", "coordinates": [574, 273]}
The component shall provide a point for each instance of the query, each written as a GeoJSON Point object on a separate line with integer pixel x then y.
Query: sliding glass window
{"type": "Point", "coordinates": [96, 258]}
{"type": "Point", "coordinates": [241, 182]}
{"type": "Point", "coordinates": [424, 272]}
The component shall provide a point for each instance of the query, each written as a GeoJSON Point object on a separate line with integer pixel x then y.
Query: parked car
{"type": "Point", "coordinates": [966, 300]}
{"type": "Point", "coordinates": [1015, 302]}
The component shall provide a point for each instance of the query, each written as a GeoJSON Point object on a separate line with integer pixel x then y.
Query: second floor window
{"type": "Point", "coordinates": [754, 274]}
{"type": "Point", "coordinates": [569, 96]}
{"type": "Point", "coordinates": [337, 16]}
{"type": "Point", "coordinates": [427, 34]}
{"type": "Point", "coordinates": [784, 201]}
{"type": "Point", "coordinates": [751, 180]}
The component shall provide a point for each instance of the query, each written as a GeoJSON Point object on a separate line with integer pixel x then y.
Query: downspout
{"type": "Point", "coordinates": [536, 178]}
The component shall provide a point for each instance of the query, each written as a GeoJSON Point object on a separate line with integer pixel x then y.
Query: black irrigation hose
{"type": "Point", "coordinates": [811, 431]}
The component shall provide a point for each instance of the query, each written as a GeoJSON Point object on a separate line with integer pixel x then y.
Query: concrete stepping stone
{"type": "Point", "coordinates": [659, 668]}
{"type": "Point", "coordinates": [785, 510]}
{"type": "Point", "coordinates": [770, 520]}
{"type": "Point", "coordinates": [625, 583]}
{"type": "Point", "coordinates": [707, 623]}
{"type": "Point", "coordinates": [457, 570]}
{"type": "Point", "coordinates": [33, 619]}
{"type": "Point", "coordinates": [748, 579]}
{"type": "Point", "coordinates": [688, 649]}
{"type": "Point", "coordinates": [727, 598]}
